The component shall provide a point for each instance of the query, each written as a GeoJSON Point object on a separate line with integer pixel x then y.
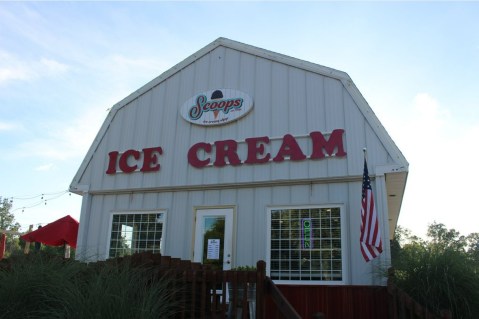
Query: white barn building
{"type": "Point", "coordinates": [238, 154]}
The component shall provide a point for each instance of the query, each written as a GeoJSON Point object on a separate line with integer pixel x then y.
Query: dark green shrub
{"type": "Point", "coordinates": [118, 291]}
{"type": "Point", "coordinates": [29, 284]}
{"type": "Point", "coordinates": [440, 274]}
{"type": "Point", "coordinates": [45, 286]}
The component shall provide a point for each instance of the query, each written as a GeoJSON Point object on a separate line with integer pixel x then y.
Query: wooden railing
{"type": "Point", "coordinates": [206, 293]}
{"type": "Point", "coordinates": [282, 304]}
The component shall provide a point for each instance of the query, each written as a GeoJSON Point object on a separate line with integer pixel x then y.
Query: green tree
{"type": "Point", "coordinates": [441, 272]}
{"type": "Point", "coordinates": [473, 247]}
{"type": "Point", "coordinates": [444, 239]}
{"type": "Point", "coordinates": [7, 222]}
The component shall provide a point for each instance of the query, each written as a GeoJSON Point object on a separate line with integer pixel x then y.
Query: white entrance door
{"type": "Point", "coordinates": [214, 237]}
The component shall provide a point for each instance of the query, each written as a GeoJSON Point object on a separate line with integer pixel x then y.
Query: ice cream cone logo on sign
{"type": "Point", "coordinates": [216, 107]}
{"type": "Point", "coordinates": [215, 96]}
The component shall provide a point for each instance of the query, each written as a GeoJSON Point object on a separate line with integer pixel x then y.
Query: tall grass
{"type": "Point", "coordinates": [440, 280]}
{"type": "Point", "coordinates": [43, 286]}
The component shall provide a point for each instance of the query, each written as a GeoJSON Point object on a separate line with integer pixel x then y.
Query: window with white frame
{"type": "Point", "coordinates": [305, 244]}
{"type": "Point", "coordinates": [136, 232]}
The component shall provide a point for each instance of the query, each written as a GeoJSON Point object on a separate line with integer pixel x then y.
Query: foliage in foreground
{"type": "Point", "coordinates": [441, 273]}
{"type": "Point", "coordinates": [44, 286]}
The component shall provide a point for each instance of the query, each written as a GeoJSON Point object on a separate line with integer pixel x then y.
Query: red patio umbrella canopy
{"type": "Point", "coordinates": [57, 233]}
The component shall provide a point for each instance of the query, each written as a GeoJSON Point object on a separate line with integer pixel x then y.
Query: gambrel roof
{"type": "Point", "coordinates": [396, 173]}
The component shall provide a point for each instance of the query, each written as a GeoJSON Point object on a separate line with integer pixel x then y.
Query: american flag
{"type": "Point", "coordinates": [371, 243]}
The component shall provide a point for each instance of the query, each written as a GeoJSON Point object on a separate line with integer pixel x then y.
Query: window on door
{"type": "Point", "coordinates": [214, 237]}
{"type": "Point", "coordinates": [306, 244]}
{"type": "Point", "coordinates": [136, 232]}
{"type": "Point", "coordinates": [213, 241]}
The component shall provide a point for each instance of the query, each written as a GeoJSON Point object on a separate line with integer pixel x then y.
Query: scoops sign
{"type": "Point", "coordinates": [216, 107]}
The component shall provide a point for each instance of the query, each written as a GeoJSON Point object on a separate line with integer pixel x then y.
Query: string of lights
{"type": "Point", "coordinates": [23, 203]}
{"type": "Point", "coordinates": [39, 195]}
{"type": "Point", "coordinates": [44, 198]}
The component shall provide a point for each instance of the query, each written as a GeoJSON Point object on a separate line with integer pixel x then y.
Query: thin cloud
{"type": "Point", "coordinates": [121, 60]}
{"type": "Point", "coordinates": [44, 168]}
{"type": "Point", "coordinates": [14, 68]}
{"type": "Point", "coordinates": [6, 126]}
{"type": "Point", "coordinates": [52, 67]}
{"type": "Point", "coordinates": [64, 141]}
{"type": "Point", "coordinates": [29, 24]}
{"type": "Point", "coordinates": [132, 71]}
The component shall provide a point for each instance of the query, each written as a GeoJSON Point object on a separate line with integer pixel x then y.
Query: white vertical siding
{"type": "Point", "coordinates": [247, 218]}
{"type": "Point", "coordinates": [382, 209]}
{"type": "Point", "coordinates": [355, 142]}
{"type": "Point", "coordinates": [315, 101]}
{"type": "Point", "coordinates": [181, 234]}
{"type": "Point", "coordinates": [262, 125]}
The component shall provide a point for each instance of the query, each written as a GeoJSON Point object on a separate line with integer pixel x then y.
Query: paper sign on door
{"type": "Point", "coordinates": [213, 251]}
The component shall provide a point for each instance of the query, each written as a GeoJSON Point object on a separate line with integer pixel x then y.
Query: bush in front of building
{"type": "Point", "coordinates": [441, 273]}
{"type": "Point", "coordinates": [45, 286]}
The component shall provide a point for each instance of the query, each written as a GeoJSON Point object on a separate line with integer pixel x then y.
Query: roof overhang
{"type": "Point", "coordinates": [395, 186]}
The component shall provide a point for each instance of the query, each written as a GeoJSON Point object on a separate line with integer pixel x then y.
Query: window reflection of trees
{"type": "Point", "coordinates": [132, 233]}
{"type": "Point", "coordinates": [215, 231]}
{"type": "Point", "coordinates": [290, 261]}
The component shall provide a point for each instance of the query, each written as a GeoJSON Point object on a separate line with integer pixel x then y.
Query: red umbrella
{"type": "Point", "coordinates": [57, 233]}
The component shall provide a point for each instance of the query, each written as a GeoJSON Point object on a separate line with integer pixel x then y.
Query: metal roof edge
{"type": "Point", "coordinates": [282, 58]}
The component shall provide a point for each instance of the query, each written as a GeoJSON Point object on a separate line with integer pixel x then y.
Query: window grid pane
{"type": "Point", "coordinates": [320, 259]}
{"type": "Point", "coordinates": [134, 233]}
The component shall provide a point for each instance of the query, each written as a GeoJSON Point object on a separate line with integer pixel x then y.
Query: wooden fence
{"type": "Point", "coordinates": [333, 302]}
{"type": "Point", "coordinates": [352, 302]}
{"type": "Point", "coordinates": [206, 293]}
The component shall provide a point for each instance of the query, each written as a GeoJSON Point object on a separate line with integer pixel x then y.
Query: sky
{"type": "Point", "coordinates": [64, 64]}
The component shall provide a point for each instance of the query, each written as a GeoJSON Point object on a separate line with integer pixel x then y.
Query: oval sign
{"type": "Point", "coordinates": [216, 107]}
